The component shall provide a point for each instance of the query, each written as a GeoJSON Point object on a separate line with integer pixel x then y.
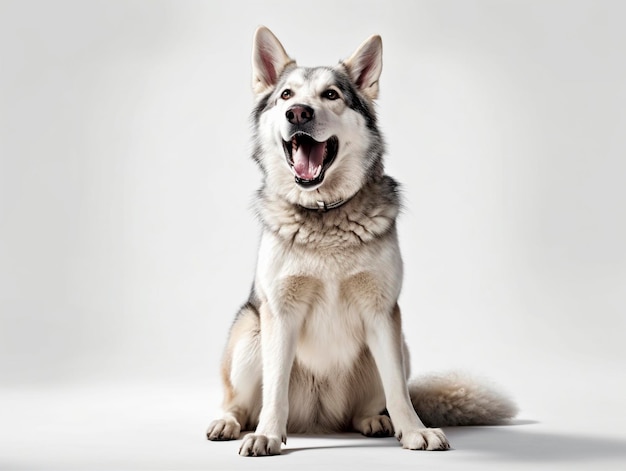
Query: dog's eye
{"type": "Point", "coordinates": [330, 94]}
{"type": "Point", "coordinates": [286, 94]}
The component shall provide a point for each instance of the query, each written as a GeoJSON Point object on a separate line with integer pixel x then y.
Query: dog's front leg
{"type": "Point", "coordinates": [385, 342]}
{"type": "Point", "coordinates": [278, 344]}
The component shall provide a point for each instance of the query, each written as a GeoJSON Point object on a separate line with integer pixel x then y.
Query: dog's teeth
{"type": "Point", "coordinates": [318, 170]}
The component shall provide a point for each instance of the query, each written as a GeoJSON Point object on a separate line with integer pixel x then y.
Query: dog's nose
{"type": "Point", "coordinates": [299, 114]}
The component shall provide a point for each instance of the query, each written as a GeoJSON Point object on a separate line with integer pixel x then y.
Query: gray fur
{"type": "Point", "coordinates": [454, 398]}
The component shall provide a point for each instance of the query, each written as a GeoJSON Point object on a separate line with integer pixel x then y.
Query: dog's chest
{"type": "Point", "coordinates": [332, 293]}
{"type": "Point", "coordinates": [332, 334]}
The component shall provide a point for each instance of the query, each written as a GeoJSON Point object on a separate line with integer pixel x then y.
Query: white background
{"type": "Point", "coordinates": [127, 242]}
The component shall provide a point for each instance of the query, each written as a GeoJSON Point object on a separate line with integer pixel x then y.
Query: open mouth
{"type": "Point", "coordinates": [309, 159]}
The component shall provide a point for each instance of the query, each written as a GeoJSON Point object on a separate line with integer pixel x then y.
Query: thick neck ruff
{"type": "Point", "coordinates": [364, 217]}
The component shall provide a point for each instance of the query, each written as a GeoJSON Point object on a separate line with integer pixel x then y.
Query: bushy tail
{"type": "Point", "coordinates": [456, 399]}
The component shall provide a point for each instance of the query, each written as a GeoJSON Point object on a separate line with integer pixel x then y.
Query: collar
{"type": "Point", "coordinates": [323, 207]}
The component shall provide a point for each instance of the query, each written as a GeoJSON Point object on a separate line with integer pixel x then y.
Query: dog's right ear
{"type": "Point", "coordinates": [269, 59]}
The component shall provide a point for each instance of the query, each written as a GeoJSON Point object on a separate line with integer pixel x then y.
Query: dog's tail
{"type": "Point", "coordinates": [456, 399]}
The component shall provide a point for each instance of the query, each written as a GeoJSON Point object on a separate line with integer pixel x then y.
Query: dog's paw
{"type": "Point", "coordinates": [424, 439]}
{"type": "Point", "coordinates": [224, 429]}
{"type": "Point", "coordinates": [376, 426]}
{"type": "Point", "coordinates": [260, 445]}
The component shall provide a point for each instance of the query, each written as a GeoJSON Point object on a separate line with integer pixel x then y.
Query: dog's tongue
{"type": "Point", "coordinates": [308, 159]}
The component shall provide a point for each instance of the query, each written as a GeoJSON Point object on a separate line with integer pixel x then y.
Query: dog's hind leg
{"type": "Point", "coordinates": [241, 377]}
{"type": "Point", "coordinates": [369, 416]}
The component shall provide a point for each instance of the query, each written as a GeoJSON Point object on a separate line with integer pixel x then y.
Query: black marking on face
{"type": "Point", "coordinates": [255, 116]}
{"type": "Point", "coordinates": [353, 99]}
{"type": "Point", "coordinates": [260, 107]}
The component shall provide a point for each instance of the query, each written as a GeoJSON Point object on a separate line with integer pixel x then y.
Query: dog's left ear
{"type": "Point", "coordinates": [365, 66]}
{"type": "Point", "coordinates": [269, 59]}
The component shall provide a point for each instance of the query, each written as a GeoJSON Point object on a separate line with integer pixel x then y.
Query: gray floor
{"type": "Point", "coordinates": [158, 426]}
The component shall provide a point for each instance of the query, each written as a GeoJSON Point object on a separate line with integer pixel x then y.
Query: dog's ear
{"type": "Point", "coordinates": [269, 59]}
{"type": "Point", "coordinates": [365, 66]}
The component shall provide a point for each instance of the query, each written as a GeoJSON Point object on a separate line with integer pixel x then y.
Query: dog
{"type": "Point", "coordinates": [318, 347]}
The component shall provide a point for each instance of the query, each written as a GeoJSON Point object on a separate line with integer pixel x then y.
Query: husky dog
{"type": "Point", "coordinates": [318, 347]}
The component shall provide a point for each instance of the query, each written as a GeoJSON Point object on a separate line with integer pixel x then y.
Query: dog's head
{"type": "Point", "coordinates": [316, 138]}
